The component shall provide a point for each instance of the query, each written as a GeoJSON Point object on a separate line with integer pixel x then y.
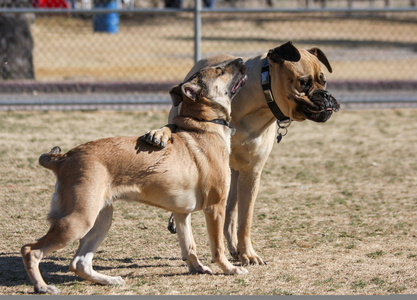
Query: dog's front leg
{"type": "Point", "coordinates": [187, 244]}
{"type": "Point", "coordinates": [248, 187]}
{"type": "Point", "coordinates": [215, 215]}
{"type": "Point", "coordinates": [230, 226]}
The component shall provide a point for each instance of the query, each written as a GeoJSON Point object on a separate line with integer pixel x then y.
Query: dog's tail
{"type": "Point", "coordinates": [51, 160]}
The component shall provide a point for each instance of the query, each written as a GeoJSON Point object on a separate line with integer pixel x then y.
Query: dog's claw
{"type": "Point", "coordinates": [146, 136]}
{"type": "Point", "coordinates": [251, 260]}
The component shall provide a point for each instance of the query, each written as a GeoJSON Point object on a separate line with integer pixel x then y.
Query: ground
{"type": "Point", "coordinates": [336, 212]}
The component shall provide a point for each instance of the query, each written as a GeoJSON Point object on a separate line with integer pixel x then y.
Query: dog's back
{"type": "Point", "coordinates": [134, 170]}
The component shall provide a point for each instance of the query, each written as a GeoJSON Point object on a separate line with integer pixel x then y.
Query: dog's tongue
{"type": "Point", "coordinates": [236, 87]}
{"type": "Point", "coordinates": [329, 109]}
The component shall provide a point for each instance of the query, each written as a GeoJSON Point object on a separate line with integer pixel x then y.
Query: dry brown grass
{"type": "Point", "coordinates": [336, 213]}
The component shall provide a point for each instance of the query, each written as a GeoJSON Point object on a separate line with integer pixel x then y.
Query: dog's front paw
{"type": "Point", "coordinates": [47, 289]}
{"type": "Point", "coordinates": [238, 271]}
{"type": "Point", "coordinates": [160, 137]}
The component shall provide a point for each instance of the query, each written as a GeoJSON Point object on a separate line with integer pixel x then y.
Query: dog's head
{"type": "Point", "coordinates": [211, 87]}
{"type": "Point", "coordinates": [299, 81]}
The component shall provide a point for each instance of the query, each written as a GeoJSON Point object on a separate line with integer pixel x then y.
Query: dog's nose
{"type": "Point", "coordinates": [241, 65]}
{"type": "Point", "coordinates": [332, 102]}
{"type": "Point", "coordinates": [327, 95]}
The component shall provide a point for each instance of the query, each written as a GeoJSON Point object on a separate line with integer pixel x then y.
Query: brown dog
{"type": "Point", "coordinates": [190, 174]}
{"type": "Point", "coordinates": [285, 84]}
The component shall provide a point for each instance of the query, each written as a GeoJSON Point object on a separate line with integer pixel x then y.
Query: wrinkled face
{"type": "Point", "coordinates": [304, 87]}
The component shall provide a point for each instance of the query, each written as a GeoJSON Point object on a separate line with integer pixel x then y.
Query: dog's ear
{"type": "Point", "coordinates": [188, 89]}
{"type": "Point", "coordinates": [176, 94]}
{"type": "Point", "coordinates": [322, 57]}
{"type": "Point", "coordinates": [284, 52]}
{"type": "Point", "coordinates": [191, 90]}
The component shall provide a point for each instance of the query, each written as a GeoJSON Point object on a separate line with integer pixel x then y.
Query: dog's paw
{"type": "Point", "coordinates": [241, 271]}
{"type": "Point", "coordinates": [117, 280]}
{"type": "Point", "coordinates": [160, 137]}
{"type": "Point", "coordinates": [237, 271]}
{"type": "Point", "coordinates": [201, 270]}
{"type": "Point", "coordinates": [251, 260]}
{"type": "Point", "coordinates": [235, 255]}
{"type": "Point", "coordinates": [47, 289]}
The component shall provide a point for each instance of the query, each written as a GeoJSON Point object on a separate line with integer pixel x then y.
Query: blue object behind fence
{"type": "Point", "coordinates": [106, 22]}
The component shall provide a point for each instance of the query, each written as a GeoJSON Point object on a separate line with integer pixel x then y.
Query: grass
{"type": "Point", "coordinates": [336, 212]}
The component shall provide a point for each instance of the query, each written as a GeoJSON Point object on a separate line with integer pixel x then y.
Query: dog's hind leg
{"type": "Point", "coordinates": [187, 244]}
{"type": "Point", "coordinates": [82, 262]}
{"type": "Point", "coordinates": [62, 233]}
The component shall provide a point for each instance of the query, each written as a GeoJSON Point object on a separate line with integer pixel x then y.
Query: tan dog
{"type": "Point", "coordinates": [190, 174]}
{"type": "Point", "coordinates": [284, 84]}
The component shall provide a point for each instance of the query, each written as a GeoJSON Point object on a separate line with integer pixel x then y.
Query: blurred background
{"type": "Point", "coordinates": [65, 54]}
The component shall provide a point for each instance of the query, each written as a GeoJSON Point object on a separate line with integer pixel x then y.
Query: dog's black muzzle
{"type": "Point", "coordinates": [324, 104]}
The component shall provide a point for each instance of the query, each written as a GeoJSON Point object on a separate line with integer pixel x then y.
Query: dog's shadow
{"type": "Point", "coordinates": [13, 272]}
{"type": "Point", "coordinates": [143, 146]}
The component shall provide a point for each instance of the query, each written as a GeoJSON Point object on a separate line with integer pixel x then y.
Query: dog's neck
{"type": "Point", "coordinates": [205, 111]}
{"type": "Point", "coordinates": [203, 117]}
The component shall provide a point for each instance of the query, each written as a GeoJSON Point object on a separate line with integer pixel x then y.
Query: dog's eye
{"type": "Point", "coordinates": [220, 71]}
{"type": "Point", "coordinates": [322, 80]}
{"type": "Point", "coordinates": [305, 83]}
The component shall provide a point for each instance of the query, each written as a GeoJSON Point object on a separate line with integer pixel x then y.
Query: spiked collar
{"type": "Point", "coordinates": [266, 87]}
{"type": "Point", "coordinates": [282, 120]}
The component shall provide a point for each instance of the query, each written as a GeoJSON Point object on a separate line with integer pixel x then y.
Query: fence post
{"type": "Point", "coordinates": [197, 30]}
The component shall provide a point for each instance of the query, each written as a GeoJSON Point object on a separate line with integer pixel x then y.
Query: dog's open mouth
{"type": "Point", "coordinates": [239, 84]}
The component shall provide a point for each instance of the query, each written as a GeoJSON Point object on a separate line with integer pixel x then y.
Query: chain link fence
{"type": "Point", "coordinates": [88, 53]}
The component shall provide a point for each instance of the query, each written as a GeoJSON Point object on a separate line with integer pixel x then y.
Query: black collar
{"type": "Point", "coordinates": [266, 87]}
{"type": "Point", "coordinates": [215, 121]}
{"type": "Point", "coordinates": [220, 122]}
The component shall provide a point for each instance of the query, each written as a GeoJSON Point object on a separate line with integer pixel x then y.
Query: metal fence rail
{"type": "Point", "coordinates": [373, 50]}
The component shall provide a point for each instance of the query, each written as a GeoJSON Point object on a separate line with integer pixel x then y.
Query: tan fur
{"type": "Point", "coordinates": [190, 174]}
{"type": "Point", "coordinates": [256, 130]}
